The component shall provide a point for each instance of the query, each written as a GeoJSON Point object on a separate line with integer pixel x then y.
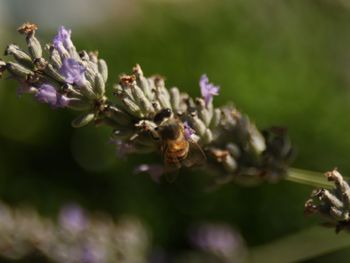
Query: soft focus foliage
{"type": "Point", "coordinates": [282, 62]}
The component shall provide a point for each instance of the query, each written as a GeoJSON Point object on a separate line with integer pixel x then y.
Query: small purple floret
{"type": "Point", "coordinates": [73, 71]}
{"type": "Point", "coordinates": [48, 94]}
{"type": "Point", "coordinates": [62, 41]}
{"type": "Point", "coordinates": [216, 238]}
{"type": "Point", "coordinates": [208, 90]}
{"type": "Point", "coordinates": [188, 130]}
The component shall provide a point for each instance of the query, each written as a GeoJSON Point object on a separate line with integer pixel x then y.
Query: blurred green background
{"type": "Point", "coordinates": [281, 62]}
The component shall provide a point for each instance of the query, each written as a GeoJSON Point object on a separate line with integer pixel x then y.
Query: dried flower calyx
{"type": "Point", "coordinates": [333, 205]}
{"type": "Point", "coordinates": [63, 77]}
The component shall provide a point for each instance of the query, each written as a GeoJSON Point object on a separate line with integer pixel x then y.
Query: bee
{"type": "Point", "coordinates": [177, 150]}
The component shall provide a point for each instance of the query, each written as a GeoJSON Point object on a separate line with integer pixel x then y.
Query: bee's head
{"type": "Point", "coordinates": [162, 115]}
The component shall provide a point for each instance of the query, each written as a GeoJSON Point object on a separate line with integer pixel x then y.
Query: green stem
{"type": "Point", "coordinates": [315, 179]}
{"type": "Point", "coordinates": [306, 244]}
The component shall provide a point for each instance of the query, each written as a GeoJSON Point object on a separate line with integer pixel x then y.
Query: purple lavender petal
{"type": "Point", "coordinates": [48, 94]}
{"type": "Point", "coordinates": [72, 218]}
{"type": "Point", "coordinates": [188, 130]}
{"type": "Point", "coordinates": [122, 148]}
{"type": "Point", "coordinates": [62, 41]}
{"type": "Point", "coordinates": [154, 170]}
{"type": "Point", "coordinates": [73, 71]}
{"type": "Point", "coordinates": [208, 90]}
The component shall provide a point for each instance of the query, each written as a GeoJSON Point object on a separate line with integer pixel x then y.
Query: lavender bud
{"type": "Point", "coordinates": [99, 87]}
{"type": "Point", "coordinates": [257, 141]}
{"type": "Point", "coordinates": [198, 126]}
{"type": "Point", "coordinates": [90, 75]}
{"type": "Point", "coordinates": [207, 137]}
{"type": "Point", "coordinates": [163, 97]}
{"type": "Point", "coordinates": [18, 70]}
{"type": "Point", "coordinates": [205, 116]}
{"type": "Point", "coordinates": [78, 104]}
{"type": "Point", "coordinates": [87, 91]}
{"type": "Point", "coordinates": [34, 47]}
{"type": "Point", "coordinates": [53, 73]}
{"type": "Point", "coordinates": [83, 120]}
{"type": "Point", "coordinates": [20, 56]}
{"type": "Point", "coordinates": [215, 119]}
{"type": "Point", "coordinates": [93, 56]}
{"type": "Point", "coordinates": [175, 99]}
{"type": "Point", "coordinates": [332, 204]}
{"type": "Point", "coordinates": [117, 115]}
{"type": "Point", "coordinates": [103, 69]}
{"type": "Point", "coordinates": [143, 83]}
{"type": "Point", "coordinates": [338, 214]}
{"type": "Point", "coordinates": [332, 199]}
{"type": "Point", "coordinates": [55, 58]}
{"type": "Point", "coordinates": [144, 104]}
{"type": "Point", "coordinates": [233, 149]}
{"type": "Point", "coordinates": [132, 108]}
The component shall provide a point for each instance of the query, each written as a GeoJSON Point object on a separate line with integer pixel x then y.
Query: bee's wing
{"type": "Point", "coordinates": [196, 155]}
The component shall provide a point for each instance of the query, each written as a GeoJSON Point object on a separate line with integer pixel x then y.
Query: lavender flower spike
{"type": "Point", "coordinates": [208, 90]}
{"type": "Point", "coordinates": [48, 94]}
{"type": "Point", "coordinates": [73, 71]}
{"type": "Point", "coordinates": [62, 41]}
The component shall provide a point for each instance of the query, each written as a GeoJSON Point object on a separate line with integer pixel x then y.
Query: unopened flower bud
{"type": "Point", "coordinates": [83, 120]}
{"type": "Point", "coordinates": [20, 56]}
{"type": "Point", "coordinates": [78, 104]}
{"type": "Point", "coordinates": [34, 47]}
{"type": "Point", "coordinates": [18, 70]}
{"type": "Point", "coordinates": [103, 69]}
{"type": "Point", "coordinates": [99, 85]}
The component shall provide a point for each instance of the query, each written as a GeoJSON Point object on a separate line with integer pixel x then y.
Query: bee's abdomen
{"type": "Point", "coordinates": [177, 151]}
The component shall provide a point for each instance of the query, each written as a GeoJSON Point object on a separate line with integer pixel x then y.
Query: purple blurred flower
{"type": "Point", "coordinates": [73, 71]}
{"type": "Point", "coordinates": [219, 239]}
{"type": "Point", "coordinates": [48, 94]}
{"type": "Point", "coordinates": [122, 148]}
{"type": "Point", "coordinates": [188, 130]}
{"type": "Point", "coordinates": [208, 90]}
{"type": "Point", "coordinates": [154, 170]}
{"type": "Point", "coordinates": [73, 218]}
{"type": "Point", "coordinates": [62, 41]}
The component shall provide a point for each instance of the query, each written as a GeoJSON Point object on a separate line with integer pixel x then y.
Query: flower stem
{"type": "Point", "coordinates": [311, 178]}
{"type": "Point", "coordinates": [306, 244]}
